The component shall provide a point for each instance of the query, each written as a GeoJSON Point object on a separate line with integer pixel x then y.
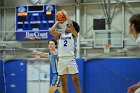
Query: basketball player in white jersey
{"type": "Point", "coordinates": [66, 48]}
{"type": "Point", "coordinates": [135, 31]}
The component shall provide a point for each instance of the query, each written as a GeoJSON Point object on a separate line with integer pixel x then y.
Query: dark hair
{"type": "Point", "coordinates": [54, 40]}
{"type": "Point", "coordinates": [76, 26]}
{"type": "Point", "coordinates": [135, 19]}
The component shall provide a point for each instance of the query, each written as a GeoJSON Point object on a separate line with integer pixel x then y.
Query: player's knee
{"type": "Point", "coordinates": [63, 81]}
{"type": "Point", "coordinates": [76, 81]}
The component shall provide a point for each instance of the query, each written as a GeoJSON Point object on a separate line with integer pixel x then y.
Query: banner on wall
{"type": "Point", "coordinates": [34, 22]}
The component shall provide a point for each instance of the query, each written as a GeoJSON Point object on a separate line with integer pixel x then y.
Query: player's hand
{"type": "Point", "coordinates": [60, 22]}
{"type": "Point", "coordinates": [65, 13]}
{"type": "Point", "coordinates": [36, 52]}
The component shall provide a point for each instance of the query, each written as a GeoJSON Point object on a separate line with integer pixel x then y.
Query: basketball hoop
{"type": "Point", "coordinates": [107, 48]}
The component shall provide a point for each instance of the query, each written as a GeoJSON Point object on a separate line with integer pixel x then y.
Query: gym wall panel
{"type": "Point", "coordinates": [31, 85]}
{"type": "Point", "coordinates": [38, 76]}
{"type": "Point", "coordinates": [1, 78]}
{"type": "Point", "coordinates": [15, 76]}
{"type": "Point", "coordinates": [44, 87]}
{"type": "Point", "coordinates": [110, 75]}
{"type": "Point", "coordinates": [10, 20]}
{"type": "Point", "coordinates": [1, 68]}
{"type": "Point", "coordinates": [80, 63]}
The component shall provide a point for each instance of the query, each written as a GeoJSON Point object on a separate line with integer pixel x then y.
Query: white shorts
{"type": "Point", "coordinates": [67, 66]}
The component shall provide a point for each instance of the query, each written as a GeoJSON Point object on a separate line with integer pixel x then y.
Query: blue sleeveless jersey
{"type": "Point", "coordinates": [53, 61]}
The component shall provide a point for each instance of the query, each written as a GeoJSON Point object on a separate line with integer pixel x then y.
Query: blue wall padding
{"type": "Point", "coordinates": [80, 63]}
{"type": "Point", "coordinates": [106, 75]}
{"type": "Point", "coordinates": [1, 77]}
{"type": "Point", "coordinates": [111, 75]}
{"type": "Point", "coordinates": [16, 76]}
{"type": "Point", "coordinates": [1, 68]}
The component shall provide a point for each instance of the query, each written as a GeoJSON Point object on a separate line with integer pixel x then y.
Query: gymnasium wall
{"type": "Point", "coordinates": [108, 75]}
{"type": "Point", "coordinates": [104, 75]}
{"type": "Point", "coordinates": [15, 76]}
{"type": "Point", "coordinates": [12, 76]}
{"type": "Point", "coordinates": [38, 76]}
{"type": "Point", "coordinates": [88, 12]}
{"type": "Point", "coordinates": [21, 76]}
{"type": "Point", "coordinates": [1, 77]}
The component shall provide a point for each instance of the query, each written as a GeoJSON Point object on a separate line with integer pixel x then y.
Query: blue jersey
{"type": "Point", "coordinates": [53, 61]}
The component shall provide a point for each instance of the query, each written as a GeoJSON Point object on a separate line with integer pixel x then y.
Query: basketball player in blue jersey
{"type": "Point", "coordinates": [66, 47]}
{"type": "Point", "coordinates": [53, 57]}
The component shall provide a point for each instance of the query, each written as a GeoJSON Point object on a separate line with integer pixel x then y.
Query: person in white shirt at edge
{"type": "Point", "coordinates": [66, 53]}
{"type": "Point", "coordinates": [135, 27]}
{"type": "Point", "coordinates": [135, 31]}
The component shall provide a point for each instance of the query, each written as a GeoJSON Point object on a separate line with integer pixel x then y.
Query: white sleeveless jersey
{"type": "Point", "coordinates": [138, 40]}
{"type": "Point", "coordinates": [66, 45]}
{"type": "Point", "coordinates": [137, 91]}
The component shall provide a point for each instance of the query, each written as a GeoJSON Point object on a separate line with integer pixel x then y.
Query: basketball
{"type": "Point", "coordinates": [60, 16]}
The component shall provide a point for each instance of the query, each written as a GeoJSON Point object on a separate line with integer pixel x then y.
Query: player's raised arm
{"type": "Point", "coordinates": [53, 30]}
{"type": "Point", "coordinates": [70, 24]}
{"type": "Point", "coordinates": [73, 31]}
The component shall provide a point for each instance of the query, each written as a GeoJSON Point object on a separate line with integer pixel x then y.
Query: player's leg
{"type": "Point", "coordinates": [62, 70]}
{"type": "Point", "coordinates": [60, 89]}
{"type": "Point", "coordinates": [52, 89]}
{"type": "Point", "coordinates": [76, 82]}
{"type": "Point", "coordinates": [73, 70]}
{"type": "Point", "coordinates": [64, 81]}
{"type": "Point", "coordinates": [59, 84]}
{"type": "Point", "coordinates": [54, 83]}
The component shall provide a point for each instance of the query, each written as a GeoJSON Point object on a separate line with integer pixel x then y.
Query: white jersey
{"type": "Point", "coordinates": [66, 45]}
{"type": "Point", "coordinates": [137, 91]}
{"type": "Point", "coordinates": [138, 40]}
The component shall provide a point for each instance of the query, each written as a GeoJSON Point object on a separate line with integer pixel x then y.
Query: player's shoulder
{"type": "Point", "coordinates": [138, 38]}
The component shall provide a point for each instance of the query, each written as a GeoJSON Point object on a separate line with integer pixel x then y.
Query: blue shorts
{"type": "Point", "coordinates": [56, 80]}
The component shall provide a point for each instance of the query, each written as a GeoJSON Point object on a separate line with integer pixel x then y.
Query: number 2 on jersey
{"type": "Point", "coordinates": [65, 43]}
